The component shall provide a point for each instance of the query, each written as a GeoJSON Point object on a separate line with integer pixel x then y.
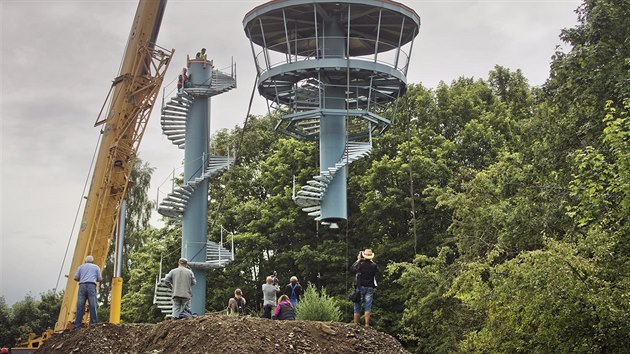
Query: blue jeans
{"type": "Point", "coordinates": [179, 304]}
{"type": "Point", "coordinates": [367, 295]}
{"type": "Point", "coordinates": [87, 291]}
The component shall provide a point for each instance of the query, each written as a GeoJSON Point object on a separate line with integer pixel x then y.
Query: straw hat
{"type": "Point", "coordinates": [368, 254]}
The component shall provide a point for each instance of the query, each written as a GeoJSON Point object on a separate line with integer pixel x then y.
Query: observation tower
{"type": "Point", "coordinates": [331, 70]}
{"type": "Point", "coordinates": [186, 122]}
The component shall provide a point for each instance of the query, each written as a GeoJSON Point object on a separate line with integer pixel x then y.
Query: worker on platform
{"type": "Point", "coordinates": [202, 54]}
{"type": "Point", "coordinates": [88, 274]}
{"type": "Point", "coordinates": [181, 280]}
{"type": "Point", "coordinates": [183, 80]}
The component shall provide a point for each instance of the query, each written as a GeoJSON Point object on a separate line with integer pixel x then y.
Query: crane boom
{"type": "Point", "coordinates": [133, 94]}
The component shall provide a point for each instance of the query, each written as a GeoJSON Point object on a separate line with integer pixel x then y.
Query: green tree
{"type": "Point", "coordinates": [139, 208]}
{"type": "Point", "coordinates": [160, 252]}
{"type": "Point", "coordinates": [25, 317]}
{"type": "Point", "coordinates": [8, 333]}
{"type": "Point", "coordinates": [433, 321]}
{"type": "Point", "coordinates": [548, 298]}
{"type": "Point", "coordinates": [48, 308]}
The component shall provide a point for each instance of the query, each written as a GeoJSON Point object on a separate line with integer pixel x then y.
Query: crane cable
{"type": "Point", "coordinates": [237, 150]}
{"type": "Point", "coordinates": [346, 151]}
{"type": "Point", "coordinates": [76, 216]}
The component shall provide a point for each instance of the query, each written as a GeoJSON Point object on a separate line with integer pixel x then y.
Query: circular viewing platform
{"type": "Point", "coordinates": [316, 57]}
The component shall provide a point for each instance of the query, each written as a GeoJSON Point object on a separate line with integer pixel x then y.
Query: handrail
{"type": "Point", "coordinates": [277, 52]}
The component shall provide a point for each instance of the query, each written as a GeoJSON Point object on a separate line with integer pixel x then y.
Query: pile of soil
{"type": "Point", "coordinates": [223, 334]}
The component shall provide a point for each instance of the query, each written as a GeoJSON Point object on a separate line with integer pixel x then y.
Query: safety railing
{"type": "Point", "coordinates": [303, 49]}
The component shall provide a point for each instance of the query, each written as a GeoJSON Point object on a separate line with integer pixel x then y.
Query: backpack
{"type": "Point", "coordinates": [240, 308]}
{"type": "Point", "coordinates": [293, 297]}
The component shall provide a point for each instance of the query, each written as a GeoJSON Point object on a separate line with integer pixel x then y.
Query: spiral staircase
{"type": "Point", "coordinates": [175, 112]}
{"type": "Point", "coordinates": [217, 256]}
{"type": "Point", "coordinates": [175, 203]}
{"type": "Point", "coordinates": [310, 195]}
{"type": "Point", "coordinates": [174, 120]}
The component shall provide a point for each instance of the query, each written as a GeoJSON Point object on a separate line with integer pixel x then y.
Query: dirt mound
{"type": "Point", "coordinates": [223, 334]}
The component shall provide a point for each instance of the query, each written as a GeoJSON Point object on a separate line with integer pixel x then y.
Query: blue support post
{"type": "Point", "coordinates": [195, 220]}
{"type": "Point", "coordinates": [186, 122]}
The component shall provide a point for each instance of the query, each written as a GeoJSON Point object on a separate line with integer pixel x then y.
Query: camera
{"type": "Point", "coordinates": [275, 278]}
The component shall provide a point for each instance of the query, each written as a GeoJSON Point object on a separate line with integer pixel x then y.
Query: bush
{"type": "Point", "coordinates": [318, 306]}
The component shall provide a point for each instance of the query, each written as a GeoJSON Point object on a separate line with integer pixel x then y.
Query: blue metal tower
{"type": "Point", "coordinates": [331, 68]}
{"type": "Point", "coordinates": [185, 121]}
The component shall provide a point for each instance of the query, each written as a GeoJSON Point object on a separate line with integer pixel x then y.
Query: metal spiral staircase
{"type": "Point", "coordinates": [175, 112]}
{"type": "Point", "coordinates": [186, 123]}
{"type": "Point", "coordinates": [329, 70]}
{"type": "Point", "coordinates": [175, 203]}
{"type": "Point", "coordinates": [217, 256]}
{"type": "Point", "coordinates": [174, 120]}
{"type": "Point", "coordinates": [310, 195]}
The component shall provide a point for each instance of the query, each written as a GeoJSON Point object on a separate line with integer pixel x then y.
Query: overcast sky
{"type": "Point", "coordinates": [58, 58]}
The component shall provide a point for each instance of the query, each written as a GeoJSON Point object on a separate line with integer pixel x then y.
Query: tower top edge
{"type": "Point", "coordinates": [282, 4]}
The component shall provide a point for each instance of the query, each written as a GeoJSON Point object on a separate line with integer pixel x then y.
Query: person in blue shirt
{"type": "Point", "coordinates": [88, 274]}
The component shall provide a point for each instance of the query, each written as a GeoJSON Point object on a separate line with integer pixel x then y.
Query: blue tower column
{"type": "Point", "coordinates": [194, 222]}
{"type": "Point", "coordinates": [186, 121]}
{"type": "Point", "coordinates": [332, 141]}
{"type": "Point", "coordinates": [332, 137]}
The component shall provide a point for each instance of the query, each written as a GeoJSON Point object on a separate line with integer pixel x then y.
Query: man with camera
{"type": "Point", "coordinates": [366, 271]}
{"type": "Point", "coordinates": [270, 290]}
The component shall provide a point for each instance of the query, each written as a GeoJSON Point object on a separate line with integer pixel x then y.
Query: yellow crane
{"type": "Point", "coordinates": [133, 94]}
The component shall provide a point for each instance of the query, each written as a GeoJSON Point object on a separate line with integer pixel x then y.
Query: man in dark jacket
{"type": "Point", "coordinates": [294, 291]}
{"type": "Point", "coordinates": [366, 271]}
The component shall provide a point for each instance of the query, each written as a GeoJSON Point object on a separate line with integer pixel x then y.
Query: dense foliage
{"type": "Point", "coordinates": [317, 305]}
{"type": "Point", "coordinates": [498, 212]}
{"type": "Point", "coordinates": [28, 316]}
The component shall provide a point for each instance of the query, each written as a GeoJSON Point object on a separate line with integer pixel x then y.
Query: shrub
{"type": "Point", "coordinates": [318, 306]}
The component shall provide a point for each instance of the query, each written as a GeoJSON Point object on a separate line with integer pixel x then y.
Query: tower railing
{"type": "Point", "coordinates": [272, 56]}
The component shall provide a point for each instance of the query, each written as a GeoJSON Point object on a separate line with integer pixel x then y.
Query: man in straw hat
{"type": "Point", "coordinates": [366, 271]}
